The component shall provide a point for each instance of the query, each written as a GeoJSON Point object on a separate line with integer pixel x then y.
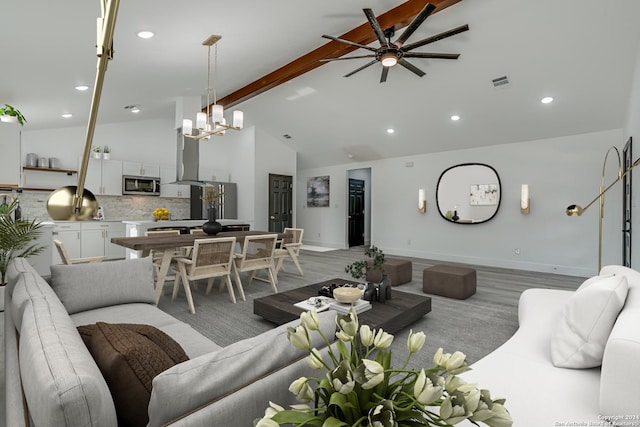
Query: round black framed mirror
{"type": "Point", "coordinates": [468, 193]}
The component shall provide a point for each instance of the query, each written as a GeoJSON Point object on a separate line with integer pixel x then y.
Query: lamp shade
{"type": "Point", "coordinates": [238, 119]}
{"type": "Point", "coordinates": [217, 112]}
{"type": "Point", "coordinates": [187, 127]}
{"type": "Point", "coordinates": [201, 121]}
{"type": "Point", "coordinates": [524, 196]}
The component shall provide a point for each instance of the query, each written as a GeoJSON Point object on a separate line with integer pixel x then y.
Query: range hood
{"type": "Point", "coordinates": [188, 162]}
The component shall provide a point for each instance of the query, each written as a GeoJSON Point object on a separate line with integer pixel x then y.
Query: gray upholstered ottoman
{"type": "Point", "coordinates": [449, 281]}
{"type": "Point", "coordinates": [399, 271]}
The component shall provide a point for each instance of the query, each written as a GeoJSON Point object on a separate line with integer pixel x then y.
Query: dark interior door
{"type": "Point", "coordinates": [356, 212]}
{"type": "Point", "coordinates": [280, 202]}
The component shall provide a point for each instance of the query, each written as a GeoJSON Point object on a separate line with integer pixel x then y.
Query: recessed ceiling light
{"type": "Point", "coordinates": [145, 34]}
{"type": "Point", "coordinates": [135, 110]}
{"type": "Point", "coordinates": [82, 88]}
{"type": "Point", "coordinates": [67, 115]}
{"type": "Point", "coordinates": [390, 131]}
{"type": "Point", "coordinates": [547, 100]}
{"type": "Point", "coordinates": [455, 117]}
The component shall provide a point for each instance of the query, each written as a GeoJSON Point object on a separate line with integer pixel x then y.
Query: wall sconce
{"type": "Point", "coordinates": [422, 201]}
{"type": "Point", "coordinates": [524, 199]}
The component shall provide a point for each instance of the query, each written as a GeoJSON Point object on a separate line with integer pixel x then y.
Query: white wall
{"type": "Point", "coordinates": [152, 141]}
{"type": "Point", "coordinates": [559, 172]}
{"type": "Point", "coordinates": [272, 156]}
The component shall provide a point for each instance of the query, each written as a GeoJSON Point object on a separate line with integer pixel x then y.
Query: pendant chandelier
{"type": "Point", "coordinates": [212, 122]}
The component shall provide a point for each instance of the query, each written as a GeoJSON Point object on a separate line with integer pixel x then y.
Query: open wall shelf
{"type": "Point", "coordinates": [67, 171]}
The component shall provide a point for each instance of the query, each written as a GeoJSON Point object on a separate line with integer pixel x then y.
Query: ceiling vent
{"type": "Point", "coordinates": [500, 82]}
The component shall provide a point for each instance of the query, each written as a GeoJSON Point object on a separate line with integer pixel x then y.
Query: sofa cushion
{"type": "Point", "coordinates": [15, 268]}
{"type": "Point", "coordinates": [61, 382]}
{"type": "Point", "coordinates": [193, 342]}
{"type": "Point", "coordinates": [207, 378]}
{"type": "Point", "coordinates": [129, 357]}
{"type": "Point", "coordinates": [27, 286]}
{"type": "Point", "coordinates": [633, 276]}
{"type": "Point", "coordinates": [83, 287]}
{"type": "Point", "coordinates": [587, 319]}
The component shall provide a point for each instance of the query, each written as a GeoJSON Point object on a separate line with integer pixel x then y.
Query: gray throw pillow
{"type": "Point", "coordinates": [83, 287]}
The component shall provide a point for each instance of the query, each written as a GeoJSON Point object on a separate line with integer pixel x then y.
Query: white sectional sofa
{"type": "Point", "coordinates": [540, 394]}
{"type": "Point", "coordinates": [53, 379]}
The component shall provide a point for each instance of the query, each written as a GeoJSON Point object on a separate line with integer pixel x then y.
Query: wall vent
{"type": "Point", "coordinates": [499, 82]}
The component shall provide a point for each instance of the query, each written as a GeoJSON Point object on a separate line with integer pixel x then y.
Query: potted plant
{"type": "Point", "coordinates": [17, 237]}
{"type": "Point", "coordinates": [10, 114]}
{"type": "Point", "coordinates": [370, 269]}
{"type": "Point", "coordinates": [106, 152]}
{"type": "Point", "coordinates": [97, 152]}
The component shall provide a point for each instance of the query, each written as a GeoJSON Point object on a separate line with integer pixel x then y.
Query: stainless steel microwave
{"type": "Point", "coordinates": [140, 185]}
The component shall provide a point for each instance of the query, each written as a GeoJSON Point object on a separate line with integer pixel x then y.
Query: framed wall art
{"type": "Point", "coordinates": [483, 194]}
{"type": "Point", "coordinates": [318, 192]}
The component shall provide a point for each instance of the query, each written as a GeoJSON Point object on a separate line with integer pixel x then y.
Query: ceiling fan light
{"type": "Point", "coordinates": [389, 59]}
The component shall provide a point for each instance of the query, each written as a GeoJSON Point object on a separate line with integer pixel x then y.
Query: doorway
{"type": "Point", "coordinates": [356, 212]}
{"type": "Point", "coordinates": [280, 202]}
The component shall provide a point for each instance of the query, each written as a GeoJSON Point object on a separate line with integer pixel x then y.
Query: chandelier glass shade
{"type": "Point", "coordinates": [211, 122]}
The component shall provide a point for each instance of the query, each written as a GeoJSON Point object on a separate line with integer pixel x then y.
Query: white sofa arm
{"type": "Point", "coordinates": [620, 374]}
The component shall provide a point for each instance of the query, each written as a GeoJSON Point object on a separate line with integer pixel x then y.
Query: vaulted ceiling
{"type": "Point", "coordinates": [581, 52]}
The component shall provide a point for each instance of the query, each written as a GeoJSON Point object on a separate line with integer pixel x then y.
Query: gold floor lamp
{"type": "Point", "coordinates": [576, 210]}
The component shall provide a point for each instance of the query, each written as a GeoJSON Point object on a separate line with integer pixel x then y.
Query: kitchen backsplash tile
{"type": "Point", "coordinates": [33, 204]}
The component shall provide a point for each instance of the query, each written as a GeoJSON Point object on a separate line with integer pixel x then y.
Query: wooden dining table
{"type": "Point", "coordinates": [168, 244]}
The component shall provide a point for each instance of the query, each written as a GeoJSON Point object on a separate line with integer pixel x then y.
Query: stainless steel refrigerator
{"type": "Point", "coordinates": [227, 205]}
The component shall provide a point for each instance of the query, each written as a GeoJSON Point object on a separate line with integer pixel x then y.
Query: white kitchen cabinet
{"type": "Point", "coordinates": [141, 169]}
{"type": "Point", "coordinates": [211, 174]}
{"type": "Point", "coordinates": [104, 177]}
{"type": "Point", "coordinates": [10, 158]}
{"type": "Point", "coordinates": [69, 234]}
{"type": "Point", "coordinates": [96, 239]}
{"type": "Point", "coordinates": [167, 175]}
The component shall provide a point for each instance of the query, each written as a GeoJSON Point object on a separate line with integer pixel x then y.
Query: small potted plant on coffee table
{"type": "Point", "coordinates": [370, 269]}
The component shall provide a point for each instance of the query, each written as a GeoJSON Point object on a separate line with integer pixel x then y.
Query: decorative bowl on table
{"type": "Point", "coordinates": [347, 295]}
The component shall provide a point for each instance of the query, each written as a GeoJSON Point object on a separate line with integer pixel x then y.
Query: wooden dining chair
{"type": "Point", "coordinates": [66, 259]}
{"type": "Point", "coordinates": [209, 259]}
{"type": "Point", "coordinates": [257, 254]}
{"type": "Point", "coordinates": [289, 248]}
{"type": "Point", "coordinates": [156, 256]}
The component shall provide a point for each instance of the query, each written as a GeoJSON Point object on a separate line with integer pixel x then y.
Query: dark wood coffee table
{"type": "Point", "coordinates": [400, 311]}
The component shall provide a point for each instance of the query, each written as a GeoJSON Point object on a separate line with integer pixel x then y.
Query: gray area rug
{"type": "Point", "coordinates": [475, 326]}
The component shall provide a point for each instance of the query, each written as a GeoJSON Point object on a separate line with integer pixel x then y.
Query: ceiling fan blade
{"type": "Point", "coordinates": [411, 67]}
{"type": "Point", "coordinates": [336, 39]}
{"type": "Point", "coordinates": [361, 68]}
{"type": "Point", "coordinates": [431, 55]}
{"type": "Point", "coordinates": [383, 76]}
{"type": "Point", "coordinates": [347, 57]}
{"type": "Point", "coordinates": [435, 38]}
{"type": "Point", "coordinates": [413, 26]}
{"type": "Point", "coordinates": [376, 26]}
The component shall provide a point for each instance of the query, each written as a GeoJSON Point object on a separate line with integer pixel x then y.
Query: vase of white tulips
{"type": "Point", "coordinates": [357, 386]}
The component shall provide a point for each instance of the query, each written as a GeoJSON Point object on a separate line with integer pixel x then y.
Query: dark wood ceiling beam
{"type": "Point", "coordinates": [398, 17]}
